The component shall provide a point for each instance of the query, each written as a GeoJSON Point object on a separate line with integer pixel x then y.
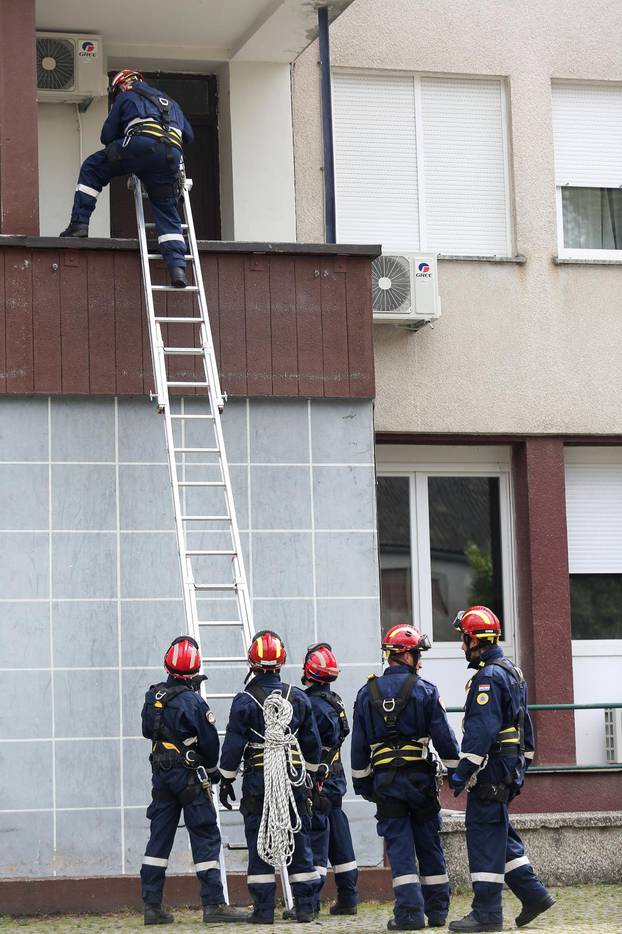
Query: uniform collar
{"type": "Point", "coordinates": [265, 677]}
{"type": "Point", "coordinates": [495, 651]}
{"type": "Point", "coordinates": [399, 669]}
{"type": "Point", "coordinates": [314, 687]}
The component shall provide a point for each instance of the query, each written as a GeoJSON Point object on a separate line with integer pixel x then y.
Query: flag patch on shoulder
{"type": "Point", "coordinates": [483, 687]}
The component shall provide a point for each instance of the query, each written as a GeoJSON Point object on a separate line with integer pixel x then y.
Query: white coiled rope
{"type": "Point", "coordinates": [279, 819]}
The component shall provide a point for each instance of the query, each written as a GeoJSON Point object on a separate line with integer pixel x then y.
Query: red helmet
{"type": "Point", "coordinates": [478, 622]}
{"type": "Point", "coordinates": [183, 658]}
{"type": "Point", "coordinates": [266, 652]}
{"type": "Point", "coordinates": [404, 638]}
{"type": "Point", "coordinates": [320, 664]}
{"type": "Point", "coordinates": [128, 74]}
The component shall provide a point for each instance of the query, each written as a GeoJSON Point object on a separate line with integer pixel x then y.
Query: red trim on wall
{"type": "Point", "coordinates": [19, 180]}
{"type": "Point", "coordinates": [73, 321]}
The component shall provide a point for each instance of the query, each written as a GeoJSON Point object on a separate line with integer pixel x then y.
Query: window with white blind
{"type": "Point", "coordinates": [421, 163]}
{"type": "Point", "coordinates": [594, 519]}
{"type": "Point", "coordinates": [587, 130]}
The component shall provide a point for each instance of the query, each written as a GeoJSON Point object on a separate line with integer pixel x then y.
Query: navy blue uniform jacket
{"type": "Point", "coordinates": [422, 718]}
{"type": "Point", "coordinates": [129, 106]}
{"type": "Point", "coordinates": [327, 720]}
{"type": "Point", "coordinates": [246, 725]}
{"type": "Point", "coordinates": [493, 702]}
{"type": "Point", "coordinates": [186, 715]}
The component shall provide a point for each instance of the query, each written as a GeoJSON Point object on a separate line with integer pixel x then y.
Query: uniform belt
{"type": "Point", "coordinates": [506, 742]}
{"type": "Point", "coordinates": [398, 755]}
{"type": "Point", "coordinates": [138, 127]}
{"type": "Point", "coordinates": [254, 760]}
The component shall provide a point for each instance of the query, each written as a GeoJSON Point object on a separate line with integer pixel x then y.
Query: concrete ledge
{"type": "Point", "coordinates": [565, 849]}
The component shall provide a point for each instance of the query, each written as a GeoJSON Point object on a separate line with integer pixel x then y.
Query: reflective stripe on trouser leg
{"type": "Point", "coordinates": [164, 817]}
{"type": "Point", "coordinates": [432, 866]}
{"type": "Point", "coordinates": [341, 856]}
{"type": "Point", "coordinates": [318, 838]}
{"type": "Point", "coordinates": [260, 878]}
{"type": "Point", "coordinates": [303, 876]}
{"type": "Point", "coordinates": [398, 836]}
{"type": "Point", "coordinates": [519, 873]}
{"type": "Point", "coordinates": [95, 174]}
{"type": "Point", "coordinates": [200, 821]}
{"type": "Point", "coordinates": [168, 228]}
{"type": "Point", "coordinates": [486, 836]}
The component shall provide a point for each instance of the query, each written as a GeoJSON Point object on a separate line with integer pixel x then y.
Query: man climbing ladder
{"type": "Point", "coordinates": [143, 135]}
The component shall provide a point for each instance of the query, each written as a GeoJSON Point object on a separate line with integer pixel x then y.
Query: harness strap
{"type": "Point", "coordinates": [519, 723]}
{"type": "Point", "coordinates": [390, 708]}
{"type": "Point", "coordinates": [330, 754]}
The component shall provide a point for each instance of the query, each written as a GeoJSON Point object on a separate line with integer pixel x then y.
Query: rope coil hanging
{"type": "Point", "coordinates": [280, 820]}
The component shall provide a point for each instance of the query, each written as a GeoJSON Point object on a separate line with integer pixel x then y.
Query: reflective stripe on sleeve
{"type": "Point", "coordinates": [166, 237]}
{"type": "Point", "coordinates": [472, 757]}
{"type": "Point", "coordinates": [361, 773]}
{"type": "Point", "coordinates": [266, 879]}
{"type": "Point", "coordinates": [410, 879]}
{"type": "Point", "coordinates": [345, 867]}
{"type": "Point", "coordinates": [488, 877]}
{"type": "Point", "coordinates": [530, 754]}
{"type": "Point", "coordinates": [93, 192]}
{"type": "Point", "coordinates": [227, 774]}
{"type": "Point", "coordinates": [155, 861]}
{"type": "Point", "coordinates": [305, 877]}
{"type": "Point", "coordinates": [213, 769]}
{"type": "Point", "coordinates": [515, 863]}
{"type": "Point", "coordinates": [312, 766]}
{"type": "Point", "coordinates": [210, 864]}
{"type": "Point", "coordinates": [435, 880]}
{"type": "Point", "coordinates": [450, 763]}
{"type": "Point", "coordinates": [321, 870]}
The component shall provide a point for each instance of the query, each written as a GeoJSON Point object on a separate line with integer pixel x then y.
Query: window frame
{"type": "Point", "coordinates": [421, 581]}
{"type": "Point", "coordinates": [566, 252]}
{"type": "Point", "coordinates": [417, 76]}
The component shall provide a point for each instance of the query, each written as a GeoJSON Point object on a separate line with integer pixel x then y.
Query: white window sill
{"type": "Point", "coordinates": [578, 261]}
{"type": "Point", "coordinates": [516, 260]}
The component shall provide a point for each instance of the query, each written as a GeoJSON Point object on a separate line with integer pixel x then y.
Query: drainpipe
{"type": "Point", "coordinates": [327, 128]}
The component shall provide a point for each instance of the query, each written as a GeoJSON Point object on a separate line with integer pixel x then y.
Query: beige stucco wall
{"type": "Point", "coordinates": [533, 348]}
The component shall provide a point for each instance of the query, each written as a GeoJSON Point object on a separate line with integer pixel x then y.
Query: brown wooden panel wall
{"type": "Point", "coordinates": [73, 321]}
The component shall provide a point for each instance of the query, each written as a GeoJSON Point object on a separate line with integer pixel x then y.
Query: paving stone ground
{"type": "Point", "coordinates": [583, 909]}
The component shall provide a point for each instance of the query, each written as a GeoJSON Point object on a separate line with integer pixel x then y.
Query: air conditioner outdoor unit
{"type": "Point", "coordinates": [613, 734]}
{"type": "Point", "coordinates": [70, 68]}
{"type": "Point", "coordinates": [405, 289]}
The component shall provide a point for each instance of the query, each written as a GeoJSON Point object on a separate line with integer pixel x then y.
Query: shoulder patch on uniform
{"type": "Point", "coordinates": [483, 698]}
{"type": "Point", "coordinates": [483, 687]}
{"type": "Point", "coordinates": [209, 716]}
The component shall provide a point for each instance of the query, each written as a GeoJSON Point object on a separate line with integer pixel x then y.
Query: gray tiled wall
{"type": "Point", "coordinates": [90, 597]}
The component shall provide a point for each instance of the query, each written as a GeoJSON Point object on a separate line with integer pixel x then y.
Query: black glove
{"type": "Point", "coordinates": [226, 793]}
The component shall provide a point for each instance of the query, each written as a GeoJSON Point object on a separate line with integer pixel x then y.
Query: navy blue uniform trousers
{"type": "Point", "coordinates": [200, 821]}
{"type": "Point", "coordinates": [331, 840]}
{"type": "Point", "coordinates": [497, 855]}
{"type": "Point", "coordinates": [155, 164]}
{"type": "Point", "coordinates": [261, 878]}
{"type": "Point", "coordinates": [415, 851]}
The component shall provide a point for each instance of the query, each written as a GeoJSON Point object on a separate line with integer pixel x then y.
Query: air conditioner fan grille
{"type": "Point", "coordinates": [55, 64]}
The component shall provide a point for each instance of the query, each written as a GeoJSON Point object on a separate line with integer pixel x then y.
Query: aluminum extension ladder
{"type": "Point", "coordinates": [204, 505]}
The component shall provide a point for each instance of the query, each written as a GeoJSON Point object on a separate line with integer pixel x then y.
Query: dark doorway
{"type": "Point", "coordinates": [197, 95]}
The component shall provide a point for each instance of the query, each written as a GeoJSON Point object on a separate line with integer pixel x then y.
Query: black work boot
{"type": "Point", "coordinates": [339, 909]}
{"type": "Point", "coordinates": [223, 914]}
{"type": "Point", "coordinates": [531, 911]}
{"type": "Point", "coordinates": [437, 921]}
{"type": "Point", "coordinates": [155, 914]}
{"type": "Point", "coordinates": [470, 925]}
{"type": "Point", "coordinates": [178, 277]}
{"type": "Point", "coordinates": [406, 924]}
{"type": "Point", "coordinates": [75, 230]}
{"type": "Point", "coordinates": [254, 918]}
{"type": "Point", "coordinates": [289, 915]}
{"type": "Point", "coordinates": [305, 917]}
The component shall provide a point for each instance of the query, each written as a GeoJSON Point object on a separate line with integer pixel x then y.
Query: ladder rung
{"type": "Point", "coordinates": [151, 224]}
{"type": "Point", "coordinates": [220, 622]}
{"type": "Point", "coordinates": [174, 288]}
{"type": "Point", "coordinates": [224, 658]}
{"type": "Point", "coordinates": [211, 417]}
{"type": "Point", "coordinates": [207, 551]}
{"type": "Point", "coordinates": [181, 351]}
{"type": "Point", "coordinates": [186, 382]}
{"type": "Point", "coordinates": [216, 586]}
{"type": "Point", "coordinates": [175, 320]}
{"type": "Point", "coordinates": [206, 518]}
{"type": "Point", "coordinates": [197, 450]}
{"type": "Point", "coordinates": [188, 256]}
{"type": "Point", "coordinates": [200, 483]}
